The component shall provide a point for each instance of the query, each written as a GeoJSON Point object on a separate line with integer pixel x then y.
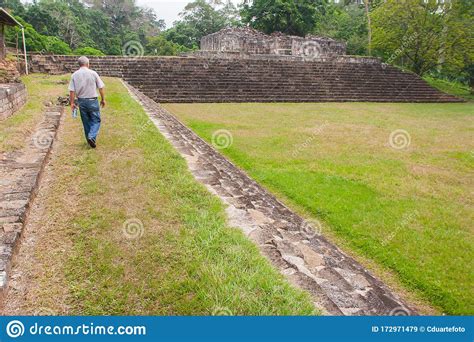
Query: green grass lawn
{"type": "Point", "coordinates": [410, 209]}
{"type": "Point", "coordinates": [453, 88]}
{"type": "Point", "coordinates": [178, 256]}
{"type": "Point", "coordinates": [15, 129]}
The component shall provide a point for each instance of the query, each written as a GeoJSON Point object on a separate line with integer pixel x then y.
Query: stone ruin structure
{"type": "Point", "coordinates": [12, 92]}
{"type": "Point", "coordinates": [247, 42]}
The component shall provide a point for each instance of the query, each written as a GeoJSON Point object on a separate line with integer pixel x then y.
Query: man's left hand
{"type": "Point", "coordinates": [102, 103]}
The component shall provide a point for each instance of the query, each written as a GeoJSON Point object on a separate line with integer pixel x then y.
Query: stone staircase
{"type": "Point", "coordinates": [189, 79]}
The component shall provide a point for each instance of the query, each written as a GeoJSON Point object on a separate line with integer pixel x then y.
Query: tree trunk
{"type": "Point", "coordinates": [369, 25]}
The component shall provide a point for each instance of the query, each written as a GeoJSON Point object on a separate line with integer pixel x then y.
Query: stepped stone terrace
{"type": "Point", "coordinates": [244, 65]}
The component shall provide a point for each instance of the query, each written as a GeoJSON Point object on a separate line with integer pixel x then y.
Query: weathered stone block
{"type": "Point", "coordinates": [13, 96]}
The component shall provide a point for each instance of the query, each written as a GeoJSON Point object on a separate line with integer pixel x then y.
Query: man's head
{"type": "Point", "coordinates": [83, 61]}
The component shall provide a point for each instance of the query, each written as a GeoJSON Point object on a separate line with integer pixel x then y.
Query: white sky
{"type": "Point", "coordinates": [168, 10]}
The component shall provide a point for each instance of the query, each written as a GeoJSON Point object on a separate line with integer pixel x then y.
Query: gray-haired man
{"type": "Point", "coordinates": [84, 84]}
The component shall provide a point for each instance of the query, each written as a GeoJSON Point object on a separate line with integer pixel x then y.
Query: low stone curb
{"type": "Point", "coordinates": [336, 282]}
{"type": "Point", "coordinates": [20, 173]}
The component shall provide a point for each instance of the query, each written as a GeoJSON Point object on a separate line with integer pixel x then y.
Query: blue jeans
{"type": "Point", "coordinates": [90, 115]}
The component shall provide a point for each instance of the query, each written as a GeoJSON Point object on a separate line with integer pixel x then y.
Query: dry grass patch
{"type": "Point", "coordinates": [15, 130]}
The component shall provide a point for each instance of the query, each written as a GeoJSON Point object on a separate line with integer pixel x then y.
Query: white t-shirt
{"type": "Point", "coordinates": [85, 82]}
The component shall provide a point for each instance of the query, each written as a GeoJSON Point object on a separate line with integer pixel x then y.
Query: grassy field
{"type": "Point", "coordinates": [391, 182]}
{"type": "Point", "coordinates": [128, 231]}
{"type": "Point", "coordinates": [454, 88]}
{"type": "Point", "coordinates": [15, 130]}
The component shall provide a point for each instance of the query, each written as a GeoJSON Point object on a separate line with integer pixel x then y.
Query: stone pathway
{"type": "Point", "coordinates": [337, 283]}
{"type": "Point", "coordinates": [20, 172]}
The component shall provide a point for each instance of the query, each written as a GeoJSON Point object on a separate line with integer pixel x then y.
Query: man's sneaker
{"type": "Point", "coordinates": [92, 143]}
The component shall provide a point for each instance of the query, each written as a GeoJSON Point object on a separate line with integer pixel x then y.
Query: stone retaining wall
{"type": "Point", "coordinates": [20, 173]}
{"type": "Point", "coordinates": [12, 97]}
{"type": "Point", "coordinates": [114, 65]}
{"type": "Point", "coordinates": [268, 57]}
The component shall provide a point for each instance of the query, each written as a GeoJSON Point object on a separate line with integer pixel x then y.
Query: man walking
{"type": "Point", "coordinates": [84, 84]}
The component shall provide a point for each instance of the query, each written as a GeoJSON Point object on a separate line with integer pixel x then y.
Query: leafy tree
{"type": "Point", "coordinates": [425, 36]}
{"type": "Point", "coordinates": [71, 28]}
{"type": "Point", "coordinates": [35, 41]}
{"type": "Point", "coordinates": [105, 25]}
{"type": "Point", "coordinates": [56, 46]}
{"type": "Point", "coordinates": [183, 34]}
{"type": "Point", "coordinates": [348, 24]}
{"type": "Point", "coordinates": [88, 51]}
{"type": "Point", "coordinates": [13, 5]}
{"type": "Point", "coordinates": [159, 46]}
{"type": "Point", "coordinates": [287, 16]}
{"type": "Point", "coordinates": [103, 38]}
{"type": "Point", "coordinates": [230, 13]}
{"type": "Point", "coordinates": [201, 18]}
{"type": "Point", "coordinates": [41, 19]}
{"type": "Point", "coordinates": [127, 18]}
{"type": "Point", "coordinates": [458, 59]}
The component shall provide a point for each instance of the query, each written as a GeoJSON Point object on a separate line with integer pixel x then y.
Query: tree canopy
{"type": "Point", "coordinates": [201, 18]}
{"type": "Point", "coordinates": [424, 36]}
{"type": "Point", "coordinates": [287, 16]}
